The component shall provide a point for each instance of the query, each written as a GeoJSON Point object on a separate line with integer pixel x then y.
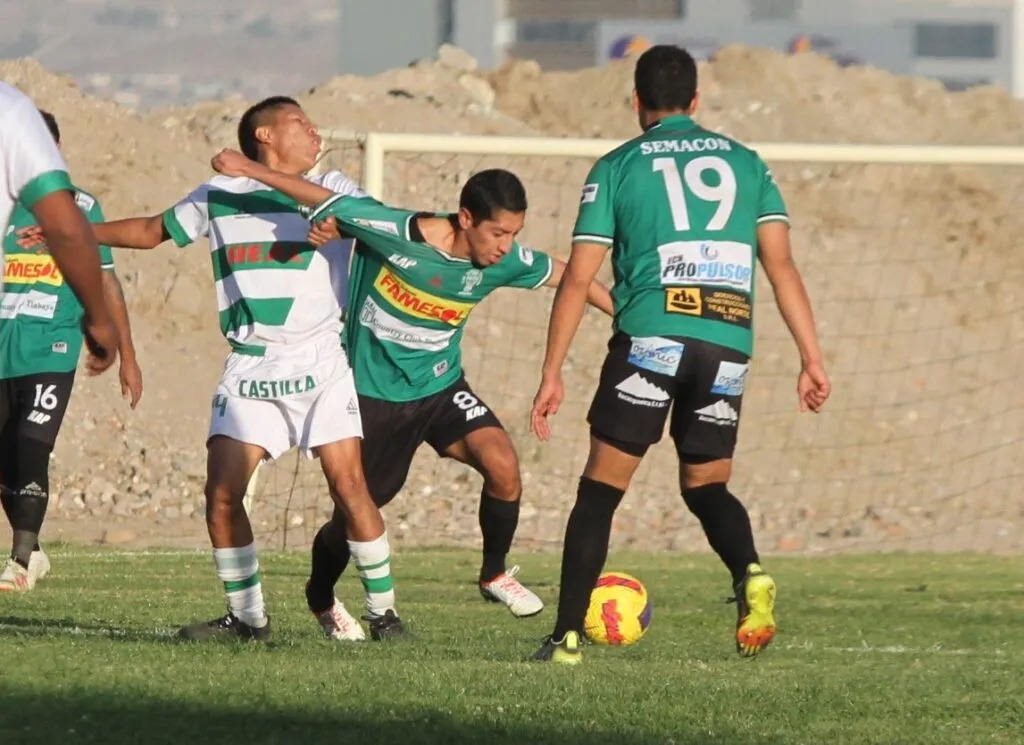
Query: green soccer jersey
{"type": "Point", "coordinates": [679, 206]}
{"type": "Point", "coordinates": [408, 301]}
{"type": "Point", "coordinates": [40, 317]}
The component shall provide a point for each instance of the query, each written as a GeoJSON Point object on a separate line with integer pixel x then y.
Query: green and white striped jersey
{"type": "Point", "coordinates": [273, 287]}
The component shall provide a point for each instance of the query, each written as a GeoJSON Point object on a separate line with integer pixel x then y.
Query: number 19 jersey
{"type": "Point", "coordinates": [679, 206]}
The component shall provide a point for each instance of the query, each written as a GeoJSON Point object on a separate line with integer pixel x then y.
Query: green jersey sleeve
{"type": "Point", "coordinates": [526, 268]}
{"type": "Point", "coordinates": [595, 221]}
{"type": "Point", "coordinates": [771, 208]}
{"type": "Point", "coordinates": [379, 229]}
{"type": "Point", "coordinates": [189, 219]}
{"type": "Point", "coordinates": [94, 214]}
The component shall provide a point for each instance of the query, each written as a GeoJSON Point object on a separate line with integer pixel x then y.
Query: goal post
{"type": "Point", "coordinates": [912, 257]}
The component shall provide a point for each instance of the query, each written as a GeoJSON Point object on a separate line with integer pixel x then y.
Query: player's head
{"type": "Point", "coordinates": [276, 131]}
{"type": "Point", "coordinates": [492, 211]}
{"type": "Point", "coordinates": [51, 124]}
{"type": "Point", "coordinates": [664, 83]}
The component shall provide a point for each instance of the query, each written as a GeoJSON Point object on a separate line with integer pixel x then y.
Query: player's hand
{"type": "Point", "coordinates": [813, 387]}
{"type": "Point", "coordinates": [30, 237]}
{"type": "Point", "coordinates": [101, 341]}
{"type": "Point", "coordinates": [545, 403]}
{"type": "Point", "coordinates": [323, 232]}
{"type": "Point", "coordinates": [230, 163]}
{"type": "Point", "coordinates": [131, 380]}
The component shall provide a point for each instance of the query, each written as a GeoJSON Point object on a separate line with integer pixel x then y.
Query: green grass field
{"type": "Point", "coordinates": [888, 649]}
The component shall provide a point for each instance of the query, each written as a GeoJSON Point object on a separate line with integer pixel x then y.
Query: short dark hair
{"type": "Point", "coordinates": [253, 119]}
{"type": "Point", "coordinates": [665, 78]}
{"type": "Point", "coordinates": [488, 191]}
{"type": "Point", "coordinates": [51, 124]}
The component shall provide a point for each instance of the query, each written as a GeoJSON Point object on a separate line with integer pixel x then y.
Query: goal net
{"type": "Point", "coordinates": [915, 271]}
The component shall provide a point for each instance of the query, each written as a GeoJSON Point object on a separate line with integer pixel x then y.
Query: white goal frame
{"type": "Point", "coordinates": [376, 146]}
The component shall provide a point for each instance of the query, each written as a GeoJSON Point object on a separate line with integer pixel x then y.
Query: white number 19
{"type": "Point", "coordinates": [693, 176]}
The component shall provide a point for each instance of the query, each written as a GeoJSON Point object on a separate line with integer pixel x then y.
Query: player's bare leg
{"type": "Point", "coordinates": [489, 451]}
{"type": "Point", "coordinates": [229, 466]}
{"type": "Point", "coordinates": [367, 539]}
{"type": "Point", "coordinates": [605, 479]}
{"type": "Point", "coordinates": [727, 526]}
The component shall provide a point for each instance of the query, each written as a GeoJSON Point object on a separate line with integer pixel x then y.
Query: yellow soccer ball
{"type": "Point", "coordinates": [619, 611]}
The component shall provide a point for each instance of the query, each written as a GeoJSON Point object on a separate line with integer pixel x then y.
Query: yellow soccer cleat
{"type": "Point", "coordinates": [755, 605]}
{"type": "Point", "coordinates": [567, 651]}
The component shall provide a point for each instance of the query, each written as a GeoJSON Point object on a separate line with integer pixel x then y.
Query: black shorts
{"type": "Point", "coordinates": [393, 431]}
{"type": "Point", "coordinates": [643, 377]}
{"type": "Point", "coordinates": [35, 411]}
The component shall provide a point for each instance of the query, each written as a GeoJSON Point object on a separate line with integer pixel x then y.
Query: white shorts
{"type": "Point", "coordinates": [303, 397]}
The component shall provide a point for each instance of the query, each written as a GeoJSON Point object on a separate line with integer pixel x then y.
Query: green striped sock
{"type": "Point", "coordinates": [373, 562]}
{"type": "Point", "coordinates": [239, 570]}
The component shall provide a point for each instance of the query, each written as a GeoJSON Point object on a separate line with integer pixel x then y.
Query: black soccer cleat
{"type": "Point", "coordinates": [226, 628]}
{"type": "Point", "coordinates": [386, 627]}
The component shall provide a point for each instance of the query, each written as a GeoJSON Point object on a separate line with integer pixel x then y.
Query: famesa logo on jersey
{"type": "Point", "coordinates": [656, 354]}
{"type": "Point", "coordinates": [418, 303]}
{"type": "Point", "coordinates": [731, 378]}
{"type": "Point", "coordinates": [28, 269]}
{"type": "Point", "coordinates": [710, 263]}
{"type": "Point", "coordinates": [589, 193]}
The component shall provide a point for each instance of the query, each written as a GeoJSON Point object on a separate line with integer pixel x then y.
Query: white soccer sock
{"type": "Point", "coordinates": [373, 561]}
{"type": "Point", "coordinates": [239, 570]}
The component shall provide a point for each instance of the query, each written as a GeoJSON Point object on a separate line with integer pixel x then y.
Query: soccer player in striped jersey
{"type": "Point", "coordinates": [287, 381]}
{"type": "Point", "coordinates": [686, 213]}
{"type": "Point", "coordinates": [416, 278]}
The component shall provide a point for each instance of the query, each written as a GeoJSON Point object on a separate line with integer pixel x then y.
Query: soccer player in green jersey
{"type": "Point", "coordinates": [686, 213]}
{"type": "Point", "coordinates": [40, 343]}
{"type": "Point", "coordinates": [287, 381]}
{"type": "Point", "coordinates": [415, 280]}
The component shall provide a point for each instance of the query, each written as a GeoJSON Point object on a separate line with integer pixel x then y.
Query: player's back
{"type": "Point", "coordinates": [680, 206]}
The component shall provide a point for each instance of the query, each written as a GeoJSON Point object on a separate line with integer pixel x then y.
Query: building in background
{"type": "Point", "coordinates": [160, 52]}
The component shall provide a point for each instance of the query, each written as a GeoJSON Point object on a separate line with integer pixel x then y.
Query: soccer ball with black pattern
{"type": "Point", "coordinates": [619, 612]}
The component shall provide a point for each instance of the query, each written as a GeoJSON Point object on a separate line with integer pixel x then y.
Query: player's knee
{"type": "Point", "coordinates": [221, 500]}
{"type": "Point", "coordinates": [697, 471]}
{"type": "Point", "coordinates": [501, 476]}
{"type": "Point", "coordinates": [349, 484]}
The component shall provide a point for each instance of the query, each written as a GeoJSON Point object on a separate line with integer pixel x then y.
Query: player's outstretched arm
{"type": "Point", "coordinates": [776, 256]}
{"type": "Point", "coordinates": [597, 294]}
{"type": "Point", "coordinates": [566, 314]}
{"type": "Point", "coordinates": [132, 232]}
{"type": "Point", "coordinates": [232, 163]}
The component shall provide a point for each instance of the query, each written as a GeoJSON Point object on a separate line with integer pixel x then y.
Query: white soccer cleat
{"type": "Point", "coordinates": [38, 566]}
{"type": "Point", "coordinates": [338, 624]}
{"type": "Point", "coordinates": [15, 578]}
{"type": "Point", "coordinates": [505, 588]}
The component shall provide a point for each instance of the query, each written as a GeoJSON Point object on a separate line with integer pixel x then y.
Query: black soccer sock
{"type": "Point", "coordinates": [584, 552]}
{"type": "Point", "coordinates": [330, 558]}
{"type": "Point", "coordinates": [26, 504]}
{"type": "Point", "coordinates": [499, 519]}
{"type": "Point", "coordinates": [726, 525]}
{"type": "Point", "coordinates": [27, 514]}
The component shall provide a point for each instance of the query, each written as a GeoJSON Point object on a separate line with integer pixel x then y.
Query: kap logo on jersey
{"type": "Point", "coordinates": [708, 263]}
{"type": "Point", "coordinates": [656, 354]}
{"type": "Point", "coordinates": [730, 379]}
